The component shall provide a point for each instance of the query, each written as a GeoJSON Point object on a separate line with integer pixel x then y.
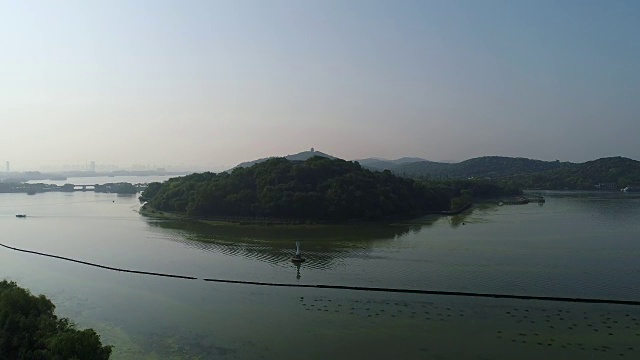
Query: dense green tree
{"type": "Point", "coordinates": [531, 174]}
{"type": "Point", "coordinates": [29, 329]}
{"type": "Point", "coordinates": [317, 189]}
{"type": "Point", "coordinates": [619, 171]}
{"type": "Point", "coordinates": [493, 167]}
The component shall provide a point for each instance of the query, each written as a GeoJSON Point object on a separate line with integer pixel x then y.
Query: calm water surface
{"type": "Point", "coordinates": [575, 245]}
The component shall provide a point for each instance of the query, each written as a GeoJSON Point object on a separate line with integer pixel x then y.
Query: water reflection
{"type": "Point", "coordinates": [325, 247]}
{"type": "Point", "coordinates": [460, 219]}
{"type": "Point", "coordinates": [297, 270]}
{"type": "Point", "coordinates": [562, 249]}
{"type": "Point", "coordinates": [471, 215]}
{"type": "Point", "coordinates": [607, 207]}
{"type": "Point", "coordinates": [304, 233]}
{"type": "Point", "coordinates": [575, 246]}
{"type": "Point", "coordinates": [127, 196]}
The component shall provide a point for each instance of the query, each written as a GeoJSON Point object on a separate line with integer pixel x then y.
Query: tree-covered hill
{"type": "Point", "coordinates": [494, 167]}
{"type": "Point", "coordinates": [318, 189]}
{"type": "Point", "coordinates": [525, 173]}
{"type": "Point", "coordinates": [377, 164]}
{"type": "Point", "coordinates": [618, 172]}
{"type": "Point", "coordinates": [301, 156]}
{"type": "Point", "coordinates": [384, 164]}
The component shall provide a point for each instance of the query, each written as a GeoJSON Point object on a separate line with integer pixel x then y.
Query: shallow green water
{"type": "Point", "coordinates": [575, 245]}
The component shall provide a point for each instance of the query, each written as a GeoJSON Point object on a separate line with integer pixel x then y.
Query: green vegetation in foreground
{"type": "Point", "coordinates": [29, 329]}
{"type": "Point", "coordinates": [318, 190]}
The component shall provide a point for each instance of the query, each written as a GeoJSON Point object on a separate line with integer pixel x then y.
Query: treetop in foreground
{"type": "Point", "coordinates": [29, 329]}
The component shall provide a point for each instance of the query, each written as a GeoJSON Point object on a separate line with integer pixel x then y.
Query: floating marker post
{"type": "Point", "coordinates": [298, 257]}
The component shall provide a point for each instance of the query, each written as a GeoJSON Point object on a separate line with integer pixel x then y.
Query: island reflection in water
{"type": "Point", "coordinates": [324, 247]}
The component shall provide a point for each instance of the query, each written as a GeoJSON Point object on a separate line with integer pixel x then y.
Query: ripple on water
{"type": "Point", "coordinates": [274, 253]}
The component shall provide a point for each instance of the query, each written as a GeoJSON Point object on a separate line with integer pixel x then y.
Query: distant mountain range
{"type": "Point", "coordinates": [612, 172]}
{"type": "Point", "coordinates": [487, 166]}
{"type": "Point", "coordinates": [482, 167]}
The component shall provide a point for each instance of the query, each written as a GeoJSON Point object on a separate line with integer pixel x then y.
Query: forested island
{"type": "Point", "coordinates": [29, 329]}
{"type": "Point", "coordinates": [318, 189]}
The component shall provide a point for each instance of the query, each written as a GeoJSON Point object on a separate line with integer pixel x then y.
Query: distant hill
{"type": "Point", "coordinates": [376, 164]}
{"type": "Point", "coordinates": [305, 155]}
{"type": "Point", "coordinates": [384, 164]}
{"type": "Point", "coordinates": [406, 160]}
{"type": "Point", "coordinates": [612, 173]}
{"type": "Point", "coordinates": [494, 167]}
{"type": "Point", "coordinates": [301, 156]}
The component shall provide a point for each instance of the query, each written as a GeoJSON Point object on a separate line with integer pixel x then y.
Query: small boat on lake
{"type": "Point", "coordinates": [21, 215]}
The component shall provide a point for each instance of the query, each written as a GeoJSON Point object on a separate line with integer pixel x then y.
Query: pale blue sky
{"type": "Point", "coordinates": [220, 82]}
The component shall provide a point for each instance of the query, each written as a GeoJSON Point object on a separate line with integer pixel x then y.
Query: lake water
{"type": "Point", "coordinates": [575, 245]}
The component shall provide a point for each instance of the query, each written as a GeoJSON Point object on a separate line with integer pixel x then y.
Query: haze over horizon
{"type": "Point", "coordinates": [218, 83]}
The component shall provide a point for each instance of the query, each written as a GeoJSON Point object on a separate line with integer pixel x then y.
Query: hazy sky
{"type": "Point", "coordinates": [220, 82]}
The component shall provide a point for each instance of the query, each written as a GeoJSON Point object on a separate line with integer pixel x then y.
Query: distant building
{"type": "Point", "coordinates": [92, 166]}
{"type": "Point", "coordinates": [313, 150]}
{"type": "Point", "coordinates": [8, 166]}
